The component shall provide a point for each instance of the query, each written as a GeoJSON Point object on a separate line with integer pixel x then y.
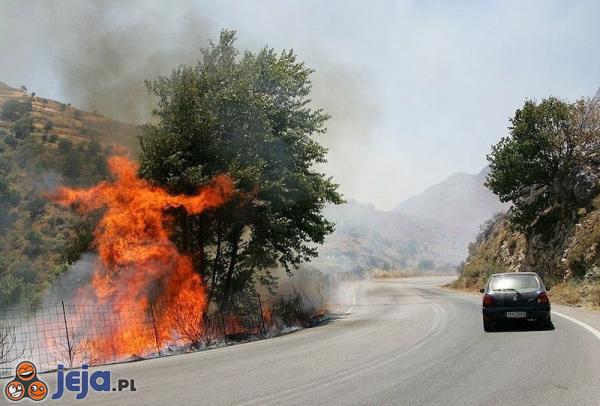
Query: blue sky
{"type": "Point", "coordinates": [418, 90]}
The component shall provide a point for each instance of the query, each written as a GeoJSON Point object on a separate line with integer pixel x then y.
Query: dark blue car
{"type": "Point", "coordinates": [515, 296]}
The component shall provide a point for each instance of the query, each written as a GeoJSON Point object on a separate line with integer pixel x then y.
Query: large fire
{"type": "Point", "coordinates": [138, 264]}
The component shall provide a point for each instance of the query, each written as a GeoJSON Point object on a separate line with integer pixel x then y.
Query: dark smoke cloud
{"type": "Point", "coordinates": [101, 51]}
{"type": "Point", "coordinates": [97, 54]}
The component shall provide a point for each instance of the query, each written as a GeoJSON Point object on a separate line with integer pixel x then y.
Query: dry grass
{"type": "Point", "coordinates": [594, 295]}
{"type": "Point", "coordinates": [566, 293]}
{"type": "Point", "coordinates": [574, 293]}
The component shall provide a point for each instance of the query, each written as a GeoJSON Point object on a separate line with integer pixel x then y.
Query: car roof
{"type": "Point", "coordinates": [514, 273]}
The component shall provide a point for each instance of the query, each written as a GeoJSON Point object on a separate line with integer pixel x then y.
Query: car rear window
{"type": "Point", "coordinates": [517, 282]}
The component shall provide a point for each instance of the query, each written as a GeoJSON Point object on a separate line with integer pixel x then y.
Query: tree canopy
{"type": "Point", "coordinates": [551, 145]}
{"type": "Point", "coordinates": [247, 115]}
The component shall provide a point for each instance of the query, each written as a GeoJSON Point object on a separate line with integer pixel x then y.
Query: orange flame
{"type": "Point", "coordinates": [138, 264]}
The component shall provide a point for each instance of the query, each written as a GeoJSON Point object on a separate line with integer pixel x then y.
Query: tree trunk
{"type": "Point", "coordinates": [217, 261]}
{"type": "Point", "coordinates": [201, 257]}
{"type": "Point", "coordinates": [235, 244]}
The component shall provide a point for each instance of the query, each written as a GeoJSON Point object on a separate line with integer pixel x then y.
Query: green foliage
{"type": "Point", "coordinates": [36, 206]}
{"type": "Point", "coordinates": [38, 239]}
{"type": "Point", "coordinates": [13, 110]}
{"type": "Point", "coordinates": [79, 242]}
{"type": "Point", "coordinates": [11, 141]}
{"type": "Point", "coordinates": [24, 270]}
{"type": "Point", "coordinates": [534, 166]}
{"type": "Point", "coordinates": [247, 116]}
{"type": "Point", "coordinates": [22, 127]}
{"type": "Point", "coordinates": [8, 196]}
{"type": "Point", "coordinates": [11, 290]}
{"type": "Point", "coordinates": [72, 165]}
{"type": "Point", "coordinates": [65, 146]}
{"type": "Point", "coordinates": [93, 148]}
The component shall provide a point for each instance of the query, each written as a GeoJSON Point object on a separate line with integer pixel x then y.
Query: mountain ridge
{"type": "Point", "coordinates": [461, 199]}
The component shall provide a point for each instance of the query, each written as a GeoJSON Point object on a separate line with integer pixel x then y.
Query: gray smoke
{"type": "Point", "coordinates": [102, 51]}
{"type": "Point", "coordinates": [66, 286]}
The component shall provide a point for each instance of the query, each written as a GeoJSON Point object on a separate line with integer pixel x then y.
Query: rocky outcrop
{"type": "Point", "coordinates": [569, 250]}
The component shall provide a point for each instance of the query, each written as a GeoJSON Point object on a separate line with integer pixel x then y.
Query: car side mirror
{"type": "Point", "coordinates": [481, 290]}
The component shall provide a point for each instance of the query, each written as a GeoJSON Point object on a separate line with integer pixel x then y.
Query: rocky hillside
{"type": "Point", "coordinates": [554, 228]}
{"type": "Point", "coordinates": [366, 238]}
{"type": "Point", "coordinates": [44, 143]}
{"type": "Point", "coordinates": [461, 200]}
{"type": "Point", "coordinates": [569, 259]}
{"type": "Point", "coordinates": [67, 121]}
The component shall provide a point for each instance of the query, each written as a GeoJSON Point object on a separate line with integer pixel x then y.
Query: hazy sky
{"type": "Point", "coordinates": [418, 89]}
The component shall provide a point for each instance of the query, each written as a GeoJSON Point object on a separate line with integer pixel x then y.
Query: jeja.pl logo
{"type": "Point", "coordinates": [26, 384]}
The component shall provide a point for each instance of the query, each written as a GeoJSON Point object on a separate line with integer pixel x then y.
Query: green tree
{"type": "Point", "coordinates": [72, 165]}
{"type": "Point", "coordinates": [23, 127]}
{"type": "Point", "coordinates": [248, 116]}
{"type": "Point", "coordinates": [534, 167]}
{"type": "Point", "coordinates": [93, 148]}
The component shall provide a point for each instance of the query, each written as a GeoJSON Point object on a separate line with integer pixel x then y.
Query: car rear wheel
{"type": "Point", "coordinates": [487, 325]}
{"type": "Point", "coordinates": [547, 322]}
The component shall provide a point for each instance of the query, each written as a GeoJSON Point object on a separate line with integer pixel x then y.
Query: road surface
{"type": "Point", "coordinates": [403, 342]}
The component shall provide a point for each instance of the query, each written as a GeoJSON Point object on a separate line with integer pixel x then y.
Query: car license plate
{"type": "Point", "coordinates": [516, 315]}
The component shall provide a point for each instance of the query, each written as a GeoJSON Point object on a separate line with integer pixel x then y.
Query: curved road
{"type": "Point", "coordinates": [403, 342]}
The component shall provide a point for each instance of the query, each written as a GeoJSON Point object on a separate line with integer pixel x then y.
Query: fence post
{"type": "Point", "coordinates": [69, 348]}
{"type": "Point", "coordinates": [262, 320]}
{"type": "Point", "coordinates": [155, 330]}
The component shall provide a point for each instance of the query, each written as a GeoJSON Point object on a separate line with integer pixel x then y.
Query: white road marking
{"type": "Point", "coordinates": [580, 323]}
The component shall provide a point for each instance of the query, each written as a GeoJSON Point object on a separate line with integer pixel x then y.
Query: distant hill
{"type": "Point", "coordinates": [461, 200]}
{"type": "Point", "coordinates": [370, 238]}
{"type": "Point", "coordinates": [67, 121]}
{"type": "Point", "coordinates": [45, 143]}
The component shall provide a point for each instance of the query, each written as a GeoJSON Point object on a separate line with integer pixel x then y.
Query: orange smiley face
{"type": "Point", "coordinates": [14, 390]}
{"type": "Point", "coordinates": [26, 371]}
{"type": "Point", "coordinates": [37, 390]}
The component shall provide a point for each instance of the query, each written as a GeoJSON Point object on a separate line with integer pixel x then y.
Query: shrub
{"type": "Point", "coordinates": [8, 196]}
{"type": "Point", "coordinates": [23, 127]}
{"type": "Point", "coordinates": [93, 148]}
{"type": "Point", "coordinates": [36, 206]}
{"type": "Point", "coordinates": [65, 146]}
{"type": "Point", "coordinates": [24, 270]}
{"type": "Point", "coordinates": [594, 295]}
{"type": "Point", "coordinates": [12, 110]}
{"type": "Point", "coordinates": [11, 290]}
{"type": "Point", "coordinates": [10, 141]}
{"type": "Point", "coordinates": [72, 166]}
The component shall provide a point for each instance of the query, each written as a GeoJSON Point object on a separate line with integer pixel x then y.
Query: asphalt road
{"type": "Point", "coordinates": [403, 342]}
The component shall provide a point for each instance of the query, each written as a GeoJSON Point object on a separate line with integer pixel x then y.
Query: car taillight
{"type": "Point", "coordinates": [543, 298]}
{"type": "Point", "coordinates": [488, 300]}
